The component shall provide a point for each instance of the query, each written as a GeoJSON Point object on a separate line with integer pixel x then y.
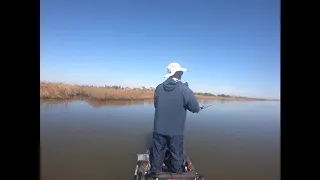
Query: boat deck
{"type": "Point", "coordinates": [143, 169]}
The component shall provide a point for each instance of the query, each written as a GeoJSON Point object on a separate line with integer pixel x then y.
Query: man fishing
{"type": "Point", "coordinates": [172, 99]}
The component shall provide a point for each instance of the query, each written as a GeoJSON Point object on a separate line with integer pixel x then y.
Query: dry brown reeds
{"type": "Point", "coordinates": [66, 91]}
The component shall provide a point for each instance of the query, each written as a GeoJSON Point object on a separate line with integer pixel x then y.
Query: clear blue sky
{"type": "Point", "coordinates": [228, 46]}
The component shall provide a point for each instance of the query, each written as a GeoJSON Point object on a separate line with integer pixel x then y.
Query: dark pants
{"type": "Point", "coordinates": [159, 147]}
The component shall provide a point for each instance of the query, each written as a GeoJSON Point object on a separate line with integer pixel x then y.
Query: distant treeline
{"type": "Point", "coordinates": [64, 91]}
{"type": "Point", "coordinates": [210, 94]}
{"type": "Point", "coordinates": [143, 88]}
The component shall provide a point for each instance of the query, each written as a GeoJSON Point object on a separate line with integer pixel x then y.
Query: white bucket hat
{"type": "Point", "coordinates": [173, 68]}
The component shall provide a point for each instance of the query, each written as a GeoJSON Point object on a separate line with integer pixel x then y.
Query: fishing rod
{"type": "Point", "coordinates": [203, 107]}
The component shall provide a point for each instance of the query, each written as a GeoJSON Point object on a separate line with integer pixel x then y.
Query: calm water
{"type": "Point", "coordinates": [89, 140]}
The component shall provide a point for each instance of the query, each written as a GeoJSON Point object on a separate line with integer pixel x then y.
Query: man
{"type": "Point", "coordinates": [172, 99]}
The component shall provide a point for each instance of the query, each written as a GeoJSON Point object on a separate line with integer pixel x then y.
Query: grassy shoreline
{"type": "Point", "coordinates": [62, 91]}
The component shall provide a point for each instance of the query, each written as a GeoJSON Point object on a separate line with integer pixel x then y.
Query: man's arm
{"type": "Point", "coordinates": [155, 99]}
{"type": "Point", "coordinates": [155, 96]}
{"type": "Point", "coordinates": [191, 102]}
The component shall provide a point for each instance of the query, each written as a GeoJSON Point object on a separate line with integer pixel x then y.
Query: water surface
{"type": "Point", "coordinates": [82, 140]}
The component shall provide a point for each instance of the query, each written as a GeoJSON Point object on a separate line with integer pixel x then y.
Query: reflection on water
{"type": "Point", "coordinates": [85, 139]}
{"type": "Point", "coordinates": [51, 103]}
{"type": "Point", "coordinates": [115, 103]}
{"type": "Point", "coordinates": [48, 103]}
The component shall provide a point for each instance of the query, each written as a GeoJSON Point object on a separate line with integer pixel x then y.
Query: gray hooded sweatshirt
{"type": "Point", "coordinates": [172, 99]}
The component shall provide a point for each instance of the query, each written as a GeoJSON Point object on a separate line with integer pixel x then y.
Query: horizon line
{"type": "Point", "coordinates": [122, 86]}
